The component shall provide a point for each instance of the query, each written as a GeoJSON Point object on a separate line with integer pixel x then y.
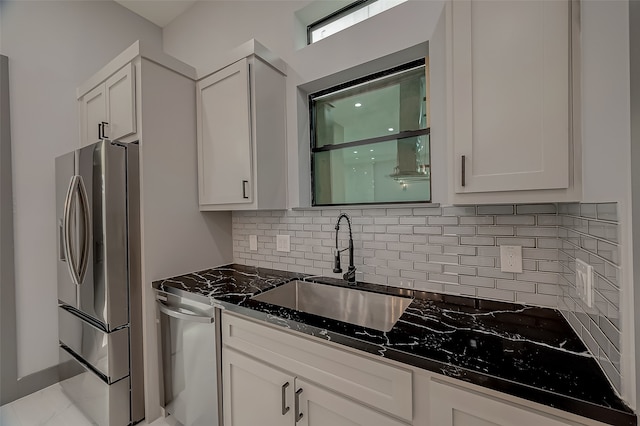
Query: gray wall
{"type": "Point", "coordinates": [634, 48]}
{"type": "Point", "coordinates": [53, 47]}
{"type": "Point", "coordinates": [8, 356]}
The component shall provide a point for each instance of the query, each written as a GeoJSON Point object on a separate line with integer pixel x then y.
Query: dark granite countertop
{"type": "Point", "coordinates": [528, 352]}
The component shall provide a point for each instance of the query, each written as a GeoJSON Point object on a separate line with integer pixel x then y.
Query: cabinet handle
{"type": "Point", "coordinates": [99, 131]}
{"type": "Point", "coordinates": [285, 409]}
{"type": "Point", "coordinates": [297, 405]}
{"type": "Point", "coordinates": [244, 189]}
{"type": "Point", "coordinates": [464, 170]}
{"type": "Point", "coordinates": [102, 135]}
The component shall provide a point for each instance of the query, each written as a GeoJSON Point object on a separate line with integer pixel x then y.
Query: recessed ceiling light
{"type": "Point", "coordinates": [373, 158]}
{"type": "Point", "coordinates": [370, 150]}
{"type": "Point", "coordinates": [391, 129]}
{"type": "Point", "coordinates": [358, 105]}
{"type": "Point", "coordinates": [357, 158]}
{"type": "Point", "coordinates": [355, 152]}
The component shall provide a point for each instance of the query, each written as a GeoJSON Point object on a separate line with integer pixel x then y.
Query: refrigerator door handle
{"type": "Point", "coordinates": [86, 219]}
{"type": "Point", "coordinates": [67, 223]}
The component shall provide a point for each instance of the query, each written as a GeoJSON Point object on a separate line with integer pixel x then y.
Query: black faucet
{"type": "Point", "coordinates": [350, 275]}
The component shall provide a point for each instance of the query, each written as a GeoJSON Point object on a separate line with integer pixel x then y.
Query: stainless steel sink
{"type": "Point", "coordinates": [372, 310]}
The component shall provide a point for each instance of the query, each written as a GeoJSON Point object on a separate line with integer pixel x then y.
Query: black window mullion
{"type": "Point", "coordinates": [370, 141]}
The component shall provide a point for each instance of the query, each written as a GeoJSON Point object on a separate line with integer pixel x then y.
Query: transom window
{"type": "Point", "coordinates": [370, 139]}
{"type": "Point", "coordinates": [344, 18]}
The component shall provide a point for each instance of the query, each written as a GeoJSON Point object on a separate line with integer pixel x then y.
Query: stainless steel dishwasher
{"type": "Point", "coordinates": [189, 352]}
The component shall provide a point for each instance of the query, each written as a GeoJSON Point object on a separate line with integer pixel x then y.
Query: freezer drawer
{"type": "Point", "coordinates": [106, 352]}
{"type": "Point", "coordinates": [189, 352]}
{"type": "Point", "coordinates": [104, 404]}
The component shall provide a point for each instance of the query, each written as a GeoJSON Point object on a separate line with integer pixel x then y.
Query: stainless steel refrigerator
{"type": "Point", "coordinates": [99, 284]}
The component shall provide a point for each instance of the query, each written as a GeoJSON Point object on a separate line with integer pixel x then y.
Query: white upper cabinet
{"type": "Point", "coordinates": [94, 113]}
{"type": "Point", "coordinates": [224, 138]}
{"type": "Point", "coordinates": [242, 137]}
{"type": "Point", "coordinates": [120, 96]}
{"type": "Point", "coordinates": [108, 110]}
{"type": "Point", "coordinates": [510, 99]}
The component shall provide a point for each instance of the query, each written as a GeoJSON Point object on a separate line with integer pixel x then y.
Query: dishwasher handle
{"type": "Point", "coordinates": [175, 313]}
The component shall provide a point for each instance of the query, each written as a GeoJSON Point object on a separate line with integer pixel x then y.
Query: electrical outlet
{"type": "Point", "coordinates": [511, 259]}
{"type": "Point", "coordinates": [283, 243]}
{"type": "Point", "coordinates": [253, 242]}
{"type": "Point", "coordinates": [584, 282]}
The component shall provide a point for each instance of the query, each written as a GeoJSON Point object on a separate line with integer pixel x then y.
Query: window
{"type": "Point", "coordinates": [344, 18]}
{"type": "Point", "coordinates": [370, 139]}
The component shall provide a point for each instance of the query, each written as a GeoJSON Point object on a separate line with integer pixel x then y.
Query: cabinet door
{"type": "Point", "coordinates": [254, 392]}
{"type": "Point", "coordinates": [120, 95]}
{"type": "Point", "coordinates": [224, 136]}
{"type": "Point", "coordinates": [94, 112]}
{"type": "Point", "coordinates": [452, 406]}
{"type": "Point", "coordinates": [510, 95]}
{"type": "Point", "coordinates": [321, 407]}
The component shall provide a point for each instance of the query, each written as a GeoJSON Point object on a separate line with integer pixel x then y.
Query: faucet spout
{"type": "Point", "coordinates": [350, 275]}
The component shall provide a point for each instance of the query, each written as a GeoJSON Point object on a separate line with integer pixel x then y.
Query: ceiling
{"type": "Point", "coordinates": [160, 12]}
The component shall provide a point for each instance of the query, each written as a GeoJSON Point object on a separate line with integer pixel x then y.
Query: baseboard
{"type": "Point", "coordinates": [34, 382]}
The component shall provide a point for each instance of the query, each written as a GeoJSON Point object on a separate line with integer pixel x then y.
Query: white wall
{"type": "Point", "coordinates": [53, 47]}
{"type": "Point", "coordinates": [606, 140]}
{"type": "Point", "coordinates": [208, 29]}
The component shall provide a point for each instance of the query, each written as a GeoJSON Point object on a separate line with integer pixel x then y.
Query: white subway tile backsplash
{"type": "Point", "coordinates": [590, 232]}
{"type": "Point", "coordinates": [536, 209]}
{"type": "Point", "coordinates": [477, 241]}
{"type": "Point", "coordinates": [496, 230]}
{"type": "Point", "coordinates": [496, 210]}
{"type": "Point", "coordinates": [459, 230]}
{"type": "Point", "coordinates": [516, 220]}
{"type": "Point", "coordinates": [477, 220]}
{"type": "Point", "coordinates": [443, 220]}
{"type": "Point", "coordinates": [459, 211]}
{"type": "Point", "coordinates": [516, 241]}
{"type": "Point", "coordinates": [536, 299]}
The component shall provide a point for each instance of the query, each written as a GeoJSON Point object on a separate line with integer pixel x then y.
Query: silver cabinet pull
{"type": "Point", "coordinates": [175, 313]}
{"type": "Point", "coordinates": [299, 415]}
{"type": "Point", "coordinates": [285, 409]}
{"type": "Point", "coordinates": [464, 170]}
{"type": "Point", "coordinates": [244, 189]}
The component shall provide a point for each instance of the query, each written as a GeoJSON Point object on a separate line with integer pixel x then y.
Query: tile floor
{"type": "Point", "coordinates": [50, 407]}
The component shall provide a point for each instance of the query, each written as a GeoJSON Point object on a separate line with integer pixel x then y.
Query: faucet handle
{"type": "Point", "coordinates": [336, 264]}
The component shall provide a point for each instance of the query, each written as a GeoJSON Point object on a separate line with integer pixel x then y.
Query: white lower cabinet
{"type": "Point", "coordinates": [320, 407]}
{"type": "Point", "coordinates": [453, 406]}
{"type": "Point", "coordinates": [256, 393]}
{"type": "Point", "coordinates": [273, 377]}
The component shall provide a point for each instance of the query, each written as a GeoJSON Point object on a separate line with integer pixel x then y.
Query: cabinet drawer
{"type": "Point", "coordinates": [377, 384]}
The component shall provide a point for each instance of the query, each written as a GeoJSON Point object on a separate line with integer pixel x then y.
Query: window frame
{"type": "Point", "coordinates": [422, 62]}
{"type": "Point", "coordinates": [351, 7]}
